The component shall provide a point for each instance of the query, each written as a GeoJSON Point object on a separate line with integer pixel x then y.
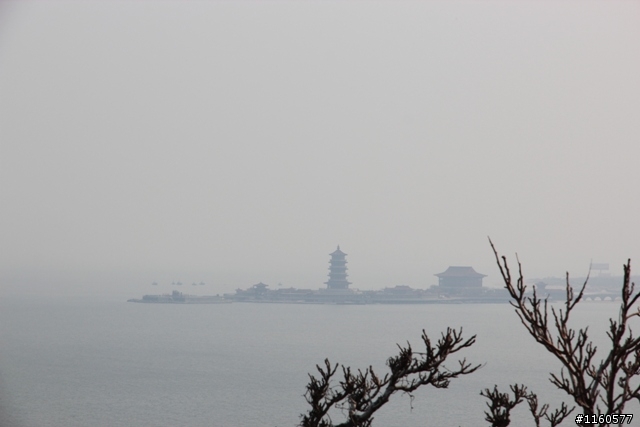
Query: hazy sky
{"type": "Point", "coordinates": [238, 142]}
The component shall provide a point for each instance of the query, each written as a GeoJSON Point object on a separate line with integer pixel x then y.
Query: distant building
{"type": "Point", "coordinates": [337, 271]}
{"type": "Point", "coordinates": [257, 292]}
{"type": "Point", "coordinates": [460, 278]}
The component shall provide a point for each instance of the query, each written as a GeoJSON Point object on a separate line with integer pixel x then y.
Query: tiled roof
{"type": "Point", "coordinates": [456, 271]}
{"type": "Point", "coordinates": [337, 252]}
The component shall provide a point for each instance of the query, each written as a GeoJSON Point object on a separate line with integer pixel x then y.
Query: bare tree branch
{"type": "Point", "coordinates": [597, 387]}
{"type": "Point", "coordinates": [361, 394]}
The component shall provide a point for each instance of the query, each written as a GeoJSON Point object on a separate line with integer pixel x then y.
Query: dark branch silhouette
{"type": "Point", "coordinates": [501, 404]}
{"type": "Point", "coordinates": [602, 386]}
{"type": "Point", "coordinates": [361, 394]}
{"type": "Point", "coordinates": [597, 387]}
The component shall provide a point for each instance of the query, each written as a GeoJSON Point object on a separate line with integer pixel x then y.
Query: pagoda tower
{"type": "Point", "coordinates": [337, 271]}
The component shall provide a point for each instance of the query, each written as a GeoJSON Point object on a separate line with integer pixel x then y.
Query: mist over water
{"type": "Point", "coordinates": [233, 143]}
{"type": "Point", "coordinates": [239, 142]}
{"type": "Point", "coordinates": [81, 362]}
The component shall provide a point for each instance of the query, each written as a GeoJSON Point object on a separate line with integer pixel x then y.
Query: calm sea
{"type": "Point", "coordinates": [105, 363]}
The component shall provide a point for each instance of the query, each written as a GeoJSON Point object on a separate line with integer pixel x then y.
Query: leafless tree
{"type": "Point", "coordinates": [359, 395]}
{"type": "Point", "coordinates": [501, 404]}
{"type": "Point", "coordinates": [597, 387]}
{"type": "Point", "coordinates": [602, 386]}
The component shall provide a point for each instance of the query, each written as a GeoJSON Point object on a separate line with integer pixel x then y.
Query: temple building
{"type": "Point", "coordinates": [337, 271]}
{"type": "Point", "coordinates": [460, 278]}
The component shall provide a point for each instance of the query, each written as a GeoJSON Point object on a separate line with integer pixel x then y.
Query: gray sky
{"type": "Point", "coordinates": [237, 142]}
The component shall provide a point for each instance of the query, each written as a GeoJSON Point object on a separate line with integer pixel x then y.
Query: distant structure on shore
{"type": "Point", "coordinates": [458, 279]}
{"type": "Point", "coordinates": [456, 285]}
{"type": "Point", "coordinates": [176, 297]}
{"type": "Point", "coordinates": [337, 270]}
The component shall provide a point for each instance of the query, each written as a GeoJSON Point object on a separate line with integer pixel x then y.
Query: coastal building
{"type": "Point", "coordinates": [256, 292]}
{"type": "Point", "coordinates": [337, 270]}
{"type": "Point", "coordinates": [460, 278]}
{"type": "Point", "coordinates": [456, 285]}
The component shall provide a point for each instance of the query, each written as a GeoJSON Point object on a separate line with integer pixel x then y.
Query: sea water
{"type": "Point", "coordinates": [89, 362]}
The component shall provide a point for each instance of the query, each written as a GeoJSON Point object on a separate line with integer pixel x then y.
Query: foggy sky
{"type": "Point", "coordinates": [238, 142]}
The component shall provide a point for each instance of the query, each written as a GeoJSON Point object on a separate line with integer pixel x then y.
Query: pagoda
{"type": "Point", "coordinates": [337, 271]}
